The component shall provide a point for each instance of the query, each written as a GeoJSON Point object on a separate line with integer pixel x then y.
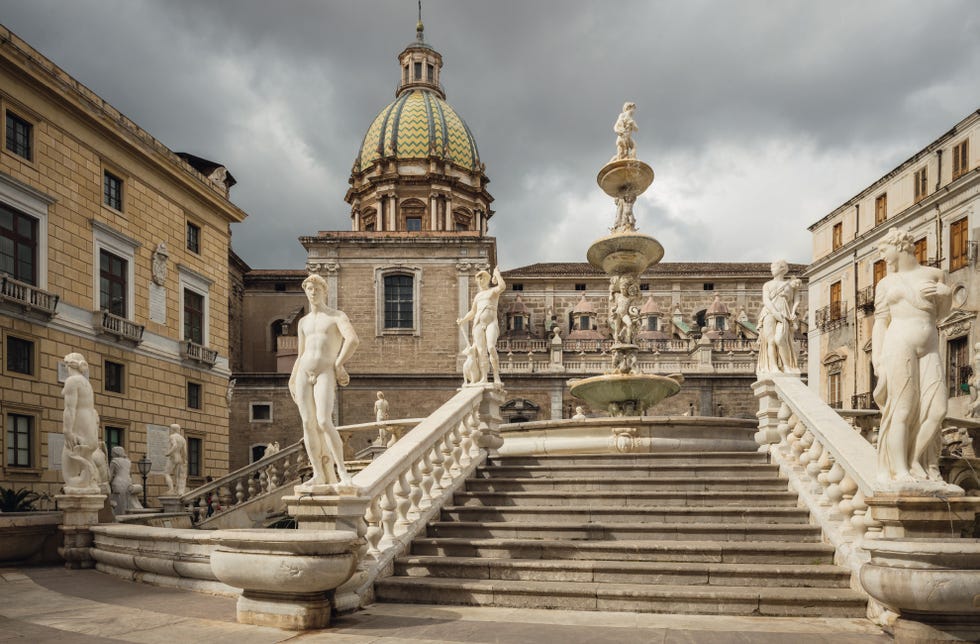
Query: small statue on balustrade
{"type": "Point", "coordinates": [385, 436]}
{"type": "Point", "coordinates": [485, 328]}
{"type": "Point", "coordinates": [778, 321]}
{"type": "Point", "coordinates": [176, 473]}
{"type": "Point", "coordinates": [83, 463]}
{"type": "Point", "coordinates": [326, 340]}
{"type": "Point", "coordinates": [911, 389]}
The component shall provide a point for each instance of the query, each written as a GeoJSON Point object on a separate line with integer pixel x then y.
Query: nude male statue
{"type": "Point", "coordinates": [325, 341]}
{"type": "Point", "coordinates": [176, 472]}
{"type": "Point", "coordinates": [485, 329]}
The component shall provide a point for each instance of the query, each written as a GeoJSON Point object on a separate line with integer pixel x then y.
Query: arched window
{"type": "Point", "coordinates": [399, 301]}
{"type": "Point", "coordinates": [276, 330]}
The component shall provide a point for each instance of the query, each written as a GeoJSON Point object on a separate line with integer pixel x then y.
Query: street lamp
{"type": "Point", "coordinates": [144, 465]}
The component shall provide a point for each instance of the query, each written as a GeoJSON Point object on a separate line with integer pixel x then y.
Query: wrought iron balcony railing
{"type": "Point", "coordinates": [866, 299]}
{"type": "Point", "coordinates": [832, 316]}
{"type": "Point", "coordinates": [28, 297]}
{"type": "Point", "coordinates": [863, 401]}
{"type": "Point", "coordinates": [117, 326]}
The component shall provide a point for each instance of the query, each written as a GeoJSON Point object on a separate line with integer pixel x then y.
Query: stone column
{"type": "Point", "coordinates": [393, 212]}
{"type": "Point", "coordinates": [449, 214]}
{"type": "Point", "coordinates": [80, 512]}
{"type": "Point", "coordinates": [768, 414]}
{"type": "Point", "coordinates": [434, 211]}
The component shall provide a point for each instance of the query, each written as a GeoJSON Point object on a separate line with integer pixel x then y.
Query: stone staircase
{"type": "Point", "coordinates": [704, 533]}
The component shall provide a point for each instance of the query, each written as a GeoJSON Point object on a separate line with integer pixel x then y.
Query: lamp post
{"type": "Point", "coordinates": [144, 465]}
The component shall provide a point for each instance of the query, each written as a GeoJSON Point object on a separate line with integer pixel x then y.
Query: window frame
{"type": "Point", "coordinates": [188, 385]}
{"type": "Point", "coordinates": [33, 440]}
{"type": "Point", "coordinates": [193, 245]}
{"type": "Point", "coordinates": [252, 418]}
{"type": "Point", "coordinates": [920, 184]}
{"type": "Point", "coordinates": [837, 235]}
{"type": "Point", "coordinates": [192, 436]}
{"type": "Point", "coordinates": [29, 202]}
{"type": "Point", "coordinates": [189, 280]}
{"type": "Point", "coordinates": [122, 379]}
{"type": "Point", "coordinates": [961, 158]}
{"type": "Point", "coordinates": [31, 124]}
{"type": "Point", "coordinates": [959, 231]}
{"type": "Point", "coordinates": [109, 175]}
{"type": "Point", "coordinates": [35, 347]}
{"type": "Point", "coordinates": [114, 424]}
{"type": "Point", "coordinates": [380, 273]}
{"type": "Point", "coordinates": [881, 208]}
{"type": "Point", "coordinates": [113, 278]}
{"type": "Point", "coordinates": [112, 241]}
{"type": "Point", "coordinates": [18, 240]}
{"type": "Point", "coordinates": [957, 361]}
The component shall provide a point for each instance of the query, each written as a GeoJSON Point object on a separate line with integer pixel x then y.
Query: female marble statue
{"type": "Point", "coordinates": [777, 321]}
{"type": "Point", "coordinates": [911, 390]}
{"type": "Point", "coordinates": [121, 484]}
{"type": "Point", "coordinates": [83, 463]}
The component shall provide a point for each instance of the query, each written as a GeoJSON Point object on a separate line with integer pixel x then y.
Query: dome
{"type": "Point", "coordinates": [416, 124]}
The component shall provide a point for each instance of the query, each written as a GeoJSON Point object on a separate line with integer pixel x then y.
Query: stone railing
{"type": "Point", "coordinates": [827, 462]}
{"type": "Point", "coordinates": [268, 475]}
{"type": "Point", "coordinates": [522, 345]}
{"type": "Point", "coordinates": [287, 344]}
{"type": "Point", "coordinates": [734, 345]}
{"type": "Point", "coordinates": [403, 489]}
{"type": "Point", "coordinates": [190, 350]}
{"type": "Point", "coordinates": [117, 326]}
{"type": "Point", "coordinates": [28, 297]}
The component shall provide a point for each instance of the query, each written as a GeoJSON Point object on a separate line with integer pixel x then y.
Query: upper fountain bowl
{"type": "Point", "coordinates": [625, 178]}
{"type": "Point", "coordinates": [625, 253]}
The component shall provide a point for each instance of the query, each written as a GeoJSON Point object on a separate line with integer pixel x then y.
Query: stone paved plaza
{"type": "Point", "coordinates": [58, 605]}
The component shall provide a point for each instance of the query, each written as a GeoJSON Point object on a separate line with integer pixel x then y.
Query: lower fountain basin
{"type": "Point", "coordinates": [625, 253]}
{"type": "Point", "coordinates": [640, 389]}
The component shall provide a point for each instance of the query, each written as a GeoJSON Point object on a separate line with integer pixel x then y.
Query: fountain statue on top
{"type": "Point", "coordinates": [624, 255]}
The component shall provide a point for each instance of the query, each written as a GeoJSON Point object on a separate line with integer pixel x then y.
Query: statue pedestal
{"type": "Point", "coordinates": [172, 504]}
{"type": "Point", "coordinates": [80, 512]}
{"type": "Point", "coordinates": [909, 516]}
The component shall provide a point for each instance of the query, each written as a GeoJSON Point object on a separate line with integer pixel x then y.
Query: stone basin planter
{"type": "Point", "coordinates": [287, 577]}
{"type": "Point", "coordinates": [29, 537]}
{"type": "Point", "coordinates": [933, 584]}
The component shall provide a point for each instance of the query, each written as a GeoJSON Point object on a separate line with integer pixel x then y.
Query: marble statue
{"type": "Point", "coordinates": [485, 328]}
{"type": "Point", "coordinates": [125, 493]}
{"type": "Point", "coordinates": [777, 321]}
{"type": "Point", "coordinates": [624, 128]}
{"type": "Point", "coordinates": [579, 413]}
{"type": "Point", "coordinates": [624, 312]}
{"type": "Point", "coordinates": [159, 264]}
{"type": "Point", "coordinates": [83, 463]}
{"type": "Point", "coordinates": [325, 341]}
{"type": "Point", "coordinates": [381, 416]}
{"type": "Point", "coordinates": [471, 365]}
{"type": "Point", "coordinates": [625, 221]}
{"type": "Point", "coordinates": [911, 390]}
{"type": "Point", "coordinates": [176, 472]}
{"type": "Point", "coordinates": [974, 408]}
{"type": "Point", "coordinates": [230, 391]}
{"type": "Point", "coordinates": [271, 449]}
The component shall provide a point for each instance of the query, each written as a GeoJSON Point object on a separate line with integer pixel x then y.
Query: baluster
{"type": "Point", "coordinates": [263, 485]}
{"type": "Point", "coordinates": [447, 461]}
{"type": "Point", "coordinates": [477, 433]}
{"type": "Point", "coordinates": [457, 438]}
{"type": "Point", "coordinates": [859, 520]}
{"type": "Point", "coordinates": [388, 517]}
{"type": "Point", "coordinates": [273, 475]}
{"type": "Point", "coordinates": [465, 434]}
{"type": "Point", "coordinates": [289, 469]}
{"type": "Point", "coordinates": [252, 486]}
{"type": "Point", "coordinates": [822, 466]}
{"type": "Point", "coordinates": [832, 490]}
{"type": "Point", "coordinates": [415, 492]}
{"type": "Point", "coordinates": [374, 529]}
{"type": "Point", "coordinates": [804, 445]}
{"type": "Point", "coordinates": [793, 448]}
{"type": "Point", "coordinates": [201, 512]}
{"type": "Point", "coordinates": [437, 469]}
{"type": "Point", "coordinates": [425, 472]}
{"type": "Point", "coordinates": [783, 423]}
{"type": "Point", "coordinates": [403, 503]}
{"type": "Point", "coordinates": [239, 492]}
{"type": "Point", "coordinates": [846, 506]}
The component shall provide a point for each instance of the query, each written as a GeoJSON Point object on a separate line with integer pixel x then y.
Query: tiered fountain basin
{"type": "Point", "coordinates": [643, 390]}
{"type": "Point", "coordinates": [625, 177]}
{"type": "Point", "coordinates": [625, 253]}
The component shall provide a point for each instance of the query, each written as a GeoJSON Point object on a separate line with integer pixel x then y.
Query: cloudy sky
{"type": "Point", "coordinates": [758, 117]}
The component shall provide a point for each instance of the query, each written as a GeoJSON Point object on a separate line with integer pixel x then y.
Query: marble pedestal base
{"type": "Point", "coordinates": [79, 513]}
{"type": "Point", "coordinates": [291, 612]}
{"type": "Point", "coordinates": [172, 504]}
{"type": "Point", "coordinates": [912, 516]}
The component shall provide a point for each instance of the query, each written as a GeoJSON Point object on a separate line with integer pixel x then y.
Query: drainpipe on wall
{"type": "Point", "coordinates": [939, 220]}
{"type": "Point", "coordinates": [857, 328]}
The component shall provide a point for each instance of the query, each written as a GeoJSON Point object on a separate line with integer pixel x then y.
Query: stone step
{"type": "Point", "coordinates": [704, 551]}
{"type": "Point", "coordinates": [626, 572]}
{"type": "Point", "coordinates": [784, 499]}
{"type": "Point", "coordinates": [688, 470]}
{"type": "Point", "coordinates": [667, 458]}
{"type": "Point", "coordinates": [631, 484]}
{"type": "Point", "coordinates": [617, 531]}
{"type": "Point", "coordinates": [586, 513]}
{"type": "Point", "coordinates": [713, 600]}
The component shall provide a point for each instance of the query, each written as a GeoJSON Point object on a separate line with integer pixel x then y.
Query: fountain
{"type": "Point", "coordinates": [624, 255]}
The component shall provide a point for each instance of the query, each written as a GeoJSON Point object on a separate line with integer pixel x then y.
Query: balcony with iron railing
{"type": "Point", "coordinates": [27, 297]}
{"type": "Point", "coordinates": [190, 350]}
{"type": "Point", "coordinates": [832, 316]}
{"type": "Point", "coordinates": [866, 299]}
{"type": "Point", "coordinates": [118, 327]}
{"type": "Point", "coordinates": [863, 401]}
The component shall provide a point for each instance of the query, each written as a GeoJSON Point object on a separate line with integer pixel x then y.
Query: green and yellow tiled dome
{"type": "Point", "coordinates": [416, 124]}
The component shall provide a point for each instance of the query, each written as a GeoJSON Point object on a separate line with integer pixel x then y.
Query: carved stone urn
{"type": "Point", "coordinates": [931, 584]}
{"type": "Point", "coordinates": [287, 577]}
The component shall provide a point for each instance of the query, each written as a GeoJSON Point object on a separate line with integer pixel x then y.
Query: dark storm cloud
{"type": "Point", "coordinates": [753, 114]}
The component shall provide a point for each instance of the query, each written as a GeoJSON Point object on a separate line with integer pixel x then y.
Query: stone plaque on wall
{"type": "Point", "coordinates": [157, 442]}
{"type": "Point", "coordinates": [158, 303]}
{"type": "Point", "coordinates": [56, 443]}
